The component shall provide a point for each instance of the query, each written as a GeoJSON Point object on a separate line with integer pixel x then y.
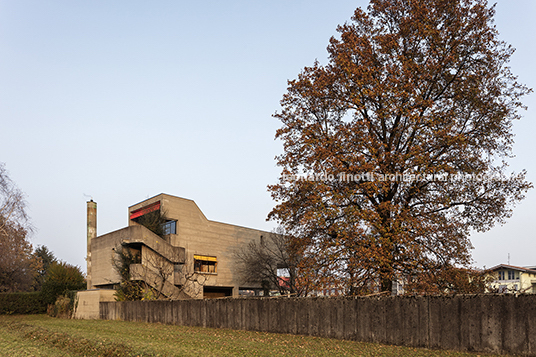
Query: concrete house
{"type": "Point", "coordinates": [513, 279]}
{"type": "Point", "coordinates": [192, 257]}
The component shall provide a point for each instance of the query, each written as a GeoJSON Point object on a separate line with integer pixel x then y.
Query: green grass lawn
{"type": "Point", "coordinates": [40, 335]}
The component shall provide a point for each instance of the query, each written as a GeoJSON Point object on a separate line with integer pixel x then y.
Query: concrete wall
{"type": "Point", "coordinates": [486, 323]}
{"type": "Point", "coordinates": [87, 302]}
{"type": "Point", "coordinates": [103, 252]}
{"type": "Point", "coordinates": [201, 236]}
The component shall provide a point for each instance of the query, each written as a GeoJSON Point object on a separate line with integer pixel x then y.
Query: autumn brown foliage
{"type": "Point", "coordinates": [403, 139]}
{"type": "Point", "coordinates": [18, 266]}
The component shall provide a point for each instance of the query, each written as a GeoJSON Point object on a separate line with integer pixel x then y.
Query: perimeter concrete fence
{"type": "Point", "coordinates": [487, 323]}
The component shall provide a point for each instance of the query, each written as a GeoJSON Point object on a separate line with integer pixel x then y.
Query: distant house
{"type": "Point", "coordinates": [513, 279]}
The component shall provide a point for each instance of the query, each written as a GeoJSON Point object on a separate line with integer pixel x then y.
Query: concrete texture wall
{"type": "Point", "coordinates": [103, 252]}
{"type": "Point", "coordinates": [102, 255]}
{"type": "Point", "coordinates": [201, 236]}
{"type": "Point", "coordinates": [91, 234]}
{"type": "Point", "coordinates": [486, 323]}
{"type": "Point", "coordinates": [87, 303]}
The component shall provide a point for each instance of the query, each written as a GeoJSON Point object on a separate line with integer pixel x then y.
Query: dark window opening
{"type": "Point", "coordinates": [107, 286]}
{"type": "Point", "coordinates": [212, 292]}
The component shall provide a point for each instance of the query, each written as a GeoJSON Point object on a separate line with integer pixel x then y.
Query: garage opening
{"type": "Point", "coordinates": [212, 292]}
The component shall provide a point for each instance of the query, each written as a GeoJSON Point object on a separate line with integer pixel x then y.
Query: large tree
{"type": "Point", "coordinates": [18, 266]}
{"type": "Point", "coordinates": [402, 140]}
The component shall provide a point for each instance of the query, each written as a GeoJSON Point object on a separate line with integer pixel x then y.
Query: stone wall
{"type": "Point", "coordinates": [487, 323]}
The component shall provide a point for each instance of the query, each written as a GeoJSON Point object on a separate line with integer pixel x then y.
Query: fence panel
{"type": "Point", "coordinates": [488, 323]}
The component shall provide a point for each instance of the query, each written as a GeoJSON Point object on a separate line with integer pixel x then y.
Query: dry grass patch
{"type": "Point", "coordinates": [40, 335]}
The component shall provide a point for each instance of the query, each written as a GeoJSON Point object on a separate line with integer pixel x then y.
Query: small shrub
{"type": "Point", "coordinates": [64, 306]}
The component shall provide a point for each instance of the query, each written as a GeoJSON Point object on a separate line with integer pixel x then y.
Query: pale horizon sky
{"type": "Point", "coordinates": [120, 101]}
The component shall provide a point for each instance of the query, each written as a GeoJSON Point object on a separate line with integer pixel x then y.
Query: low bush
{"type": "Point", "coordinates": [22, 303]}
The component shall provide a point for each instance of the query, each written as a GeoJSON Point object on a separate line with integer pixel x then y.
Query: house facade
{"type": "Point", "coordinates": [513, 279]}
{"type": "Point", "coordinates": [186, 256]}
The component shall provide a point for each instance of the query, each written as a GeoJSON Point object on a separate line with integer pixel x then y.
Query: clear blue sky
{"type": "Point", "coordinates": [122, 100]}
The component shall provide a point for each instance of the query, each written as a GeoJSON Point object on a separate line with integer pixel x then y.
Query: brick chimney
{"type": "Point", "coordinates": [91, 233]}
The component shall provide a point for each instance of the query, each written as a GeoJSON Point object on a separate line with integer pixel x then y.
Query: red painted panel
{"type": "Point", "coordinates": [144, 210]}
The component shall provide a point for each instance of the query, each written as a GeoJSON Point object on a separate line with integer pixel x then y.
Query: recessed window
{"type": "Point", "coordinates": [205, 264]}
{"type": "Point", "coordinates": [170, 227]}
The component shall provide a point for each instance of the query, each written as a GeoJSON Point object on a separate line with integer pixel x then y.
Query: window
{"type": "Point", "coordinates": [513, 275]}
{"type": "Point", "coordinates": [501, 275]}
{"type": "Point", "coordinates": [170, 227]}
{"type": "Point", "coordinates": [205, 264]}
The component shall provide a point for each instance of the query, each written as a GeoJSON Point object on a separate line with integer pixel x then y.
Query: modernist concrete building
{"type": "Point", "coordinates": [192, 257]}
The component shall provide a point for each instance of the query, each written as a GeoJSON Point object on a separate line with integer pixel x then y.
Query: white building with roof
{"type": "Point", "coordinates": [513, 279]}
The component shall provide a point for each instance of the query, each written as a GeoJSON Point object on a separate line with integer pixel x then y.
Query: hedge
{"type": "Point", "coordinates": [22, 303]}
